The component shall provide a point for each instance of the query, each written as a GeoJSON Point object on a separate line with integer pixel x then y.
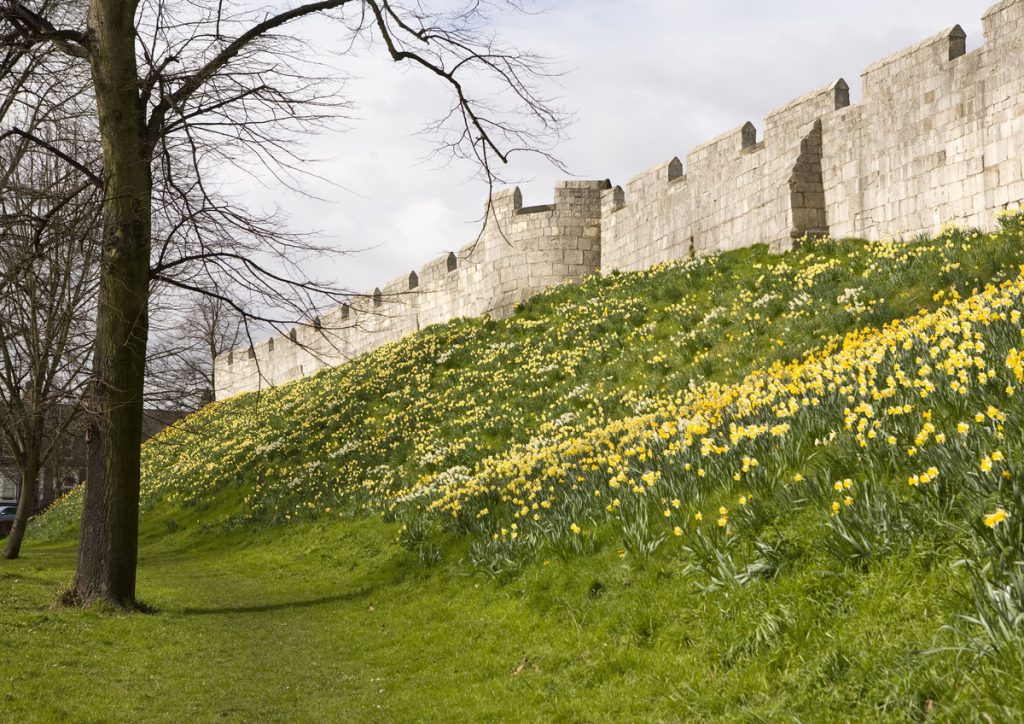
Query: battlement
{"type": "Point", "coordinates": [780, 123]}
{"type": "Point", "coordinates": [735, 188]}
{"type": "Point", "coordinates": [937, 137]}
{"type": "Point", "coordinates": [522, 250]}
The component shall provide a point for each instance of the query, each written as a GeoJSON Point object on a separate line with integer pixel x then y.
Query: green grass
{"type": "Point", "coordinates": [370, 544]}
{"type": "Point", "coordinates": [336, 622]}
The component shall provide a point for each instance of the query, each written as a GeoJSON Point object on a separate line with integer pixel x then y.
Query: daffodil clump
{"type": "Point", "coordinates": [924, 411]}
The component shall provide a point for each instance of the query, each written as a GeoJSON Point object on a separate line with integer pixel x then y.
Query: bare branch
{"type": "Point", "coordinates": [195, 81]}
{"type": "Point", "coordinates": [94, 178]}
{"type": "Point", "coordinates": [28, 28]}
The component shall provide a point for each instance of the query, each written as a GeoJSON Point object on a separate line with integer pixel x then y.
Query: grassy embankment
{"type": "Point", "coordinates": [657, 495]}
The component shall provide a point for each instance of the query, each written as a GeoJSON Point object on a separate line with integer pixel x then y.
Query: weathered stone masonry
{"type": "Point", "coordinates": [938, 137]}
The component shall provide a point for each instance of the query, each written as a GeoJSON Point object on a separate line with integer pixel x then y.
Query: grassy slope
{"type": "Point", "coordinates": [263, 619]}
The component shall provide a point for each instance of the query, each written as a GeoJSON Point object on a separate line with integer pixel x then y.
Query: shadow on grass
{"type": "Point", "coordinates": [279, 606]}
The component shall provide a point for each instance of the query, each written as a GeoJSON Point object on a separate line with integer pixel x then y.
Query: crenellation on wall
{"type": "Point", "coordinates": [957, 43]}
{"type": "Point", "coordinates": [882, 79]}
{"type": "Point", "coordinates": [436, 270]}
{"type": "Point", "coordinates": [780, 123]}
{"type": "Point", "coordinates": [935, 139]}
{"type": "Point", "coordinates": [520, 251]}
{"type": "Point", "coordinates": [674, 170]}
{"type": "Point", "coordinates": [938, 137]}
{"type": "Point", "coordinates": [722, 146]}
{"type": "Point", "coordinates": [504, 203]}
{"type": "Point", "coordinates": [735, 189]}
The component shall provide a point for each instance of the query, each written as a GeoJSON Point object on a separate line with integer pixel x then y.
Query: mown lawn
{"type": "Point", "coordinates": [337, 622]}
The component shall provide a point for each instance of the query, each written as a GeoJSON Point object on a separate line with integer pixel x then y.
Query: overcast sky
{"type": "Point", "coordinates": [645, 80]}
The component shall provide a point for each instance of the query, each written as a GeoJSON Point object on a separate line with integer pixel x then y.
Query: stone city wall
{"type": "Point", "coordinates": [938, 137]}
{"type": "Point", "coordinates": [520, 252]}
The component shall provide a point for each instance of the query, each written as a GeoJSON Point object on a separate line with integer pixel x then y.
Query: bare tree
{"type": "Point", "coordinates": [183, 88]}
{"type": "Point", "coordinates": [196, 329]}
{"type": "Point", "coordinates": [49, 243]}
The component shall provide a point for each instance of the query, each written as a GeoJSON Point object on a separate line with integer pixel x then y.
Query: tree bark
{"type": "Point", "coordinates": [27, 495]}
{"type": "Point", "coordinates": [108, 546]}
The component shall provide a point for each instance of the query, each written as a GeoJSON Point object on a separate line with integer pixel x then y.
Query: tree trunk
{"type": "Point", "coordinates": [108, 547]}
{"type": "Point", "coordinates": [26, 498]}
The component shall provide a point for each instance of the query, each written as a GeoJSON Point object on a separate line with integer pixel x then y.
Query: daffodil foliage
{"type": "Point", "coordinates": [872, 387]}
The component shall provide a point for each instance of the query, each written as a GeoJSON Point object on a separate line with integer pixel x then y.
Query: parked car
{"type": "Point", "coordinates": [7, 513]}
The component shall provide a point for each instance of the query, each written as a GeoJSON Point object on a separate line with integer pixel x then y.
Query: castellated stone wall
{"type": "Point", "coordinates": [521, 251]}
{"type": "Point", "coordinates": [938, 137]}
{"type": "Point", "coordinates": [733, 191]}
